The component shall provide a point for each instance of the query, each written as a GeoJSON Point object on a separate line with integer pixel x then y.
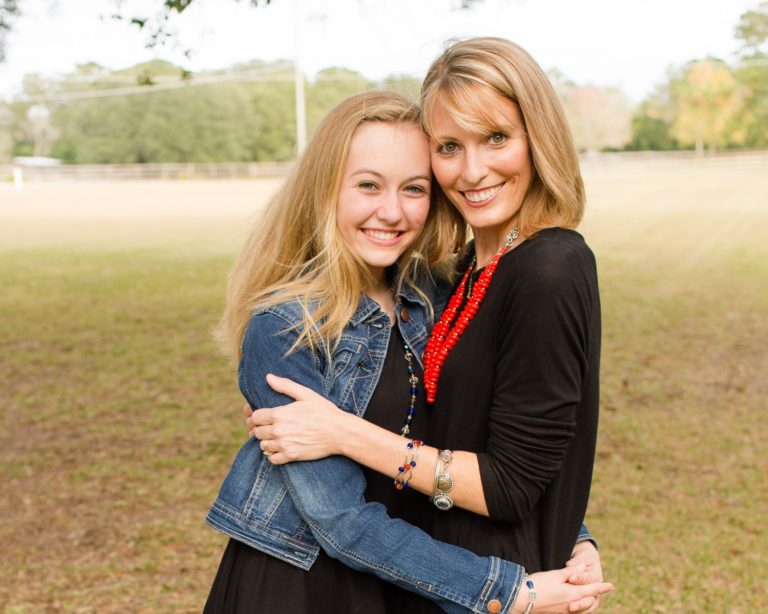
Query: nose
{"type": "Point", "coordinates": [390, 209]}
{"type": "Point", "coordinates": [475, 167]}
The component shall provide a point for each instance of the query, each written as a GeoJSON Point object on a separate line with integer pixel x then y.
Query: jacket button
{"type": "Point", "coordinates": [404, 314]}
{"type": "Point", "coordinates": [494, 606]}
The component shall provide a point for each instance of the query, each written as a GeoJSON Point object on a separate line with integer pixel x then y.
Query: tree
{"type": "Point", "coordinates": [9, 10]}
{"type": "Point", "coordinates": [652, 122]}
{"type": "Point", "coordinates": [6, 131]}
{"type": "Point", "coordinates": [752, 28]}
{"type": "Point", "coordinates": [707, 103]}
{"type": "Point", "coordinates": [599, 117]}
{"type": "Point", "coordinates": [752, 75]}
{"type": "Point", "coordinates": [650, 131]}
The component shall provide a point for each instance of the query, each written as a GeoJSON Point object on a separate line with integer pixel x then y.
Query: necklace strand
{"type": "Point", "coordinates": [412, 380]}
{"type": "Point", "coordinates": [444, 336]}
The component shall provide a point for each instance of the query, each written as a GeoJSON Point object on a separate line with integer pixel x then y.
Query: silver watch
{"type": "Point", "coordinates": [443, 481]}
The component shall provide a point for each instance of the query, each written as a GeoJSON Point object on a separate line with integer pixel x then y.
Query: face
{"type": "Point", "coordinates": [486, 176]}
{"type": "Point", "coordinates": [384, 197]}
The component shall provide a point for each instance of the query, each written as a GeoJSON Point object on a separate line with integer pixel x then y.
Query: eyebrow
{"type": "Point", "coordinates": [365, 171]}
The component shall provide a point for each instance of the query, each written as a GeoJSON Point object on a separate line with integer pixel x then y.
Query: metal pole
{"type": "Point", "coordinates": [298, 79]}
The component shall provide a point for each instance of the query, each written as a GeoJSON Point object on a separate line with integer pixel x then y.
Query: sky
{"type": "Point", "coordinates": [623, 43]}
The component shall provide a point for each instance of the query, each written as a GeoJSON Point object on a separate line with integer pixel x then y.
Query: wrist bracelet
{"type": "Point", "coordinates": [531, 594]}
{"type": "Point", "coordinates": [443, 481]}
{"type": "Point", "coordinates": [405, 471]}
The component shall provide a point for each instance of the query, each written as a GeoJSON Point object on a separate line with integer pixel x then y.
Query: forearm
{"type": "Point", "coordinates": [384, 452]}
{"type": "Point", "coordinates": [328, 495]}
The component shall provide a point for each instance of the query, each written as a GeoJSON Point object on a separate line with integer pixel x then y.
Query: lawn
{"type": "Point", "coordinates": [120, 418]}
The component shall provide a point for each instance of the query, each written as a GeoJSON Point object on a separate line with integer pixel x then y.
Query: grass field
{"type": "Point", "coordinates": [119, 418]}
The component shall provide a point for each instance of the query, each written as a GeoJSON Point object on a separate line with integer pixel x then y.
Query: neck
{"type": "Point", "coordinates": [382, 294]}
{"type": "Point", "coordinates": [488, 241]}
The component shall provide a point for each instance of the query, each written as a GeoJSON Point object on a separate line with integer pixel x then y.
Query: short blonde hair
{"type": "Point", "coordinates": [296, 252]}
{"type": "Point", "coordinates": [457, 80]}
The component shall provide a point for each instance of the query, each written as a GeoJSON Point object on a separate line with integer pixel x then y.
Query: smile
{"type": "Point", "coordinates": [479, 196]}
{"type": "Point", "coordinates": [381, 235]}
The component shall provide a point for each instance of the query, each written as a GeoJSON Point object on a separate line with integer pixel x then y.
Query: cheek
{"type": "Point", "coordinates": [417, 215]}
{"type": "Point", "coordinates": [443, 170]}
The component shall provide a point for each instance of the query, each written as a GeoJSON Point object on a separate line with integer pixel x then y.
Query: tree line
{"type": "Point", "coordinates": [158, 112]}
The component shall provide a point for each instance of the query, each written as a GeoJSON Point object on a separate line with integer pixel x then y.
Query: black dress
{"type": "Point", "coordinates": [520, 389]}
{"type": "Point", "coordinates": [250, 581]}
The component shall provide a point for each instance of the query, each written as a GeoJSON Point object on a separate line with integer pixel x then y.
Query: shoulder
{"type": "Point", "coordinates": [554, 253]}
{"type": "Point", "coordinates": [554, 264]}
{"type": "Point", "coordinates": [279, 323]}
{"type": "Point", "coordinates": [556, 246]}
{"type": "Point", "coordinates": [286, 312]}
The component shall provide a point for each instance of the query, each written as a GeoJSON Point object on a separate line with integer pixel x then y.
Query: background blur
{"type": "Point", "coordinates": [138, 140]}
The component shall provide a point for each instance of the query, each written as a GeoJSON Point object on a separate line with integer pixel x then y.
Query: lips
{"type": "Point", "coordinates": [481, 196]}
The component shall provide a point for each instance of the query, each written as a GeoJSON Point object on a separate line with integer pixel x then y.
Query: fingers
{"type": "Point", "coordinates": [601, 588]}
{"type": "Point", "coordinates": [568, 572]}
{"type": "Point", "coordinates": [289, 388]}
{"type": "Point", "coordinates": [263, 417]}
{"type": "Point", "coordinates": [588, 576]}
{"type": "Point", "coordinates": [247, 411]}
{"type": "Point", "coordinates": [264, 433]}
{"type": "Point", "coordinates": [594, 607]}
{"type": "Point", "coordinates": [272, 452]}
{"type": "Point", "coordinates": [582, 605]}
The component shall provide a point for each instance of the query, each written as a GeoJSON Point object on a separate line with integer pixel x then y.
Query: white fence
{"type": "Point", "coordinates": [597, 162]}
{"type": "Point", "coordinates": [670, 160]}
{"type": "Point", "coordinates": [120, 172]}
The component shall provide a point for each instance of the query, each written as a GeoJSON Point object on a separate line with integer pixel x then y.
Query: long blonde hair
{"type": "Point", "coordinates": [457, 80]}
{"type": "Point", "coordinates": [296, 253]}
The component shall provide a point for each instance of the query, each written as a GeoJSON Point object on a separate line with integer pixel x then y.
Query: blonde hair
{"type": "Point", "coordinates": [296, 252]}
{"type": "Point", "coordinates": [468, 69]}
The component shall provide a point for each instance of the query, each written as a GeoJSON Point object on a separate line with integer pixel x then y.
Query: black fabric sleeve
{"type": "Point", "coordinates": [542, 358]}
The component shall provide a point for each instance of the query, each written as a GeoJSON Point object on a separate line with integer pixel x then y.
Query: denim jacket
{"type": "Point", "coordinates": [282, 511]}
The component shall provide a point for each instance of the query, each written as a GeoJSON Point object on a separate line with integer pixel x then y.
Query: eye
{"type": "Point", "coordinates": [498, 138]}
{"type": "Point", "coordinates": [447, 148]}
{"type": "Point", "coordinates": [416, 189]}
{"type": "Point", "coordinates": [367, 185]}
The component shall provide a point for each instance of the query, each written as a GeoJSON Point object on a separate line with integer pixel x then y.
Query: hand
{"type": "Point", "coordinates": [554, 594]}
{"type": "Point", "coordinates": [310, 428]}
{"type": "Point", "coordinates": [584, 553]}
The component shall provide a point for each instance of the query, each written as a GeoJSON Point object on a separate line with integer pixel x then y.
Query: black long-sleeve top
{"type": "Point", "coordinates": [520, 388]}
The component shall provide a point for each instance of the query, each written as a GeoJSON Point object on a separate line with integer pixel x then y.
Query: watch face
{"type": "Point", "coordinates": [444, 482]}
{"type": "Point", "coordinates": [443, 502]}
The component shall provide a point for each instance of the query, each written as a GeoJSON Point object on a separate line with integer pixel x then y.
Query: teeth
{"type": "Point", "coordinates": [384, 235]}
{"type": "Point", "coordinates": [477, 197]}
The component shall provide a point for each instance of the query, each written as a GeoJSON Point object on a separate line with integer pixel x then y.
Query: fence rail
{"type": "Point", "coordinates": [119, 172]}
{"type": "Point", "coordinates": [671, 160]}
{"type": "Point", "coordinates": [619, 161]}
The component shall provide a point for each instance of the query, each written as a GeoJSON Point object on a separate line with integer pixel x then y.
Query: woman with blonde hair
{"type": "Point", "coordinates": [511, 370]}
{"type": "Point", "coordinates": [334, 290]}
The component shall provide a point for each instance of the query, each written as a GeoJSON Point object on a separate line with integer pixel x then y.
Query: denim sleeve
{"type": "Point", "coordinates": [329, 495]}
{"type": "Point", "coordinates": [586, 536]}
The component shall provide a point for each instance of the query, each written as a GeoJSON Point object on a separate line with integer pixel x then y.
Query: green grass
{"type": "Point", "coordinates": [119, 418]}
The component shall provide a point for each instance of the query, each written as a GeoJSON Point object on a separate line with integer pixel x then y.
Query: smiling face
{"type": "Point", "coordinates": [383, 201]}
{"type": "Point", "coordinates": [485, 172]}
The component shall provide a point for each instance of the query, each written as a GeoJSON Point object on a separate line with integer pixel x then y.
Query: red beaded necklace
{"type": "Point", "coordinates": [444, 336]}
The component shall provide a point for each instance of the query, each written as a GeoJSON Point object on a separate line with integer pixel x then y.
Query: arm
{"type": "Point", "coordinates": [328, 493]}
{"type": "Point", "coordinates": [532, 418]}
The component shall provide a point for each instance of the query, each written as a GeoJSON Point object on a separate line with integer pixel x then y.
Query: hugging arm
{"type": "Point", "coordinates": [328, 493]}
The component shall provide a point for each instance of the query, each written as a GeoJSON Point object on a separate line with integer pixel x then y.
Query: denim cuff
{"type": "Point", "coordinates": [585, 535]}
{"type": "Point", "coordinates": [501, 587]}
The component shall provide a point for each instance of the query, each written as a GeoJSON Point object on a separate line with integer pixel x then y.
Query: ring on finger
{"type": "Point", "coordinates": [264, 449]}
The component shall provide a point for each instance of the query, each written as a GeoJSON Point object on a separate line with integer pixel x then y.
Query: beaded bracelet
{"type": "Point", "coordinates": [531, 594]}
{"type": "Point", "coordinates": [405, 471]}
